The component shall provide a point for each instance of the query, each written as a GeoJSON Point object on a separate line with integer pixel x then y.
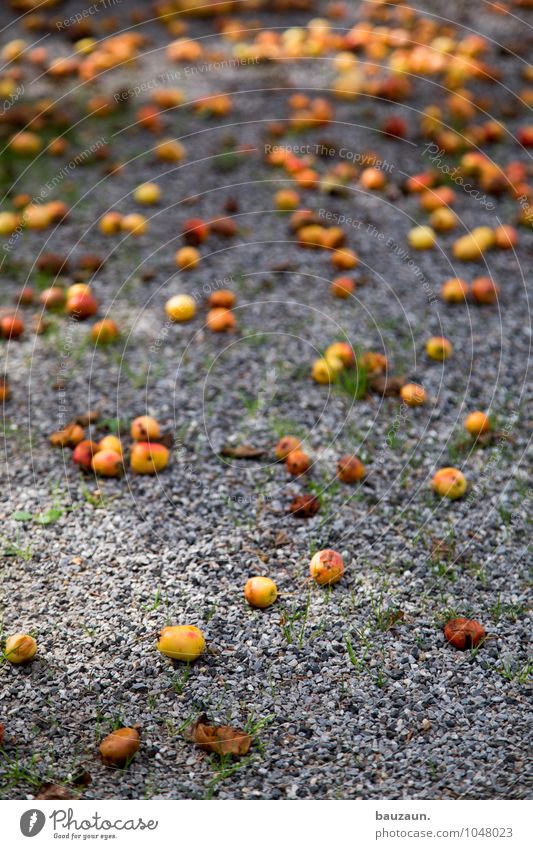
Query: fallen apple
{"type": "Point", "coordinates": [145, 429]}
{"type": "Point", "coordinates": [260, 592]}
{"type": "Point", "coordinates": [298, 462]}
{"type": "Point", "coordinates": [107, 464]}
{"type": "Point", "coordinates": [149, 458]}
{"type": "Point", "coordinates": [439, 348]}
{"type": "Point", "coordinates": [413, 394]}
{"type": "Point", "coordinates": [326, 567]}
{"type": "Point", "coordinates": [350, 469]}
{"type": "Point", "coordinates": [285, 445]}
{"type": "Point", "coordinates": [20, 648]}
{"type": "Point", "coordinates": [180, 308]}
{"type": "Point", "coordinates": [181, 642]}
{"type": "Point", "coordinates": [464, 633]}
{"type": "Point", "coordinates": [119, 747]}
{"type": "Point", "coordinates": [449, 482]}
{"type": "Point", "coordinates": [477, 423]}
{"type": "Point", "coordinates": [83, 454]}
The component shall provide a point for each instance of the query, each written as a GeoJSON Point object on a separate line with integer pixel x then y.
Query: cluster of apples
{"type": "Point", "coordinates": [30, 215]}
{"type": "Point", "coordinates": [220, 316]}
{"type": "Point", "coordinates": [337, 357]}
{"type": "Point", "coordinates": [313, 234]}
{"type": "Point", "coordinates": [450, 482]}
{"type": "Point", "coordinates": [340, 356]}
{"type": "Point", "coordinates": [350, 468]}
{"type": "Point", "coordinates": [482, 291]}
{"type": "Point", "coordinates": [105, 458]}
{"type": "Point", "coordinates": [438, 202]}
{"type": "Point", "coordinates": [77, 301]}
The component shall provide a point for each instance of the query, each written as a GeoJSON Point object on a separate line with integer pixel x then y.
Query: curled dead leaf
{"type": "Point", "coordinates": [52, 263]}
{"type": "Point", "coordinates": [2, 731]}
{"type": "Point", "coordinates": [90, 417]}
{"type": "Point", "coordinates": [220, 739]}
{"type": "Point", "coordinates": [387, 386]}
{"type": "Point", "coordinates": [304, 506]}
{"type": "Point", "coordinates": [82, 778]}
{"type": "Point", "coordinates": [242, 452]}
{"type": "Point", "coordinates": [394, 617]}
{"type": "Point", "coordinates": [54, 791]}
{"type": "Point", "coordinates": [167, 439]}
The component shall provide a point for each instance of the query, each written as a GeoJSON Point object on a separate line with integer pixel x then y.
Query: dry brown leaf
{"type": "Point", "coordinates": [167, 439]}
{"type": "Point", "coordinates": [304, 506]}
{"type": "Point", "coordinates": [85, 419]}
{"type": "Point", "coordinates": [282, 538]}
{"type": "Point", "coordinates": [242, 452]}
{"type": "Point", "coordinates": [91, 262]}
{"type": "Point", "coordinates": [220, 739]}
{"type": "Point", "coordinates": [2, 730]}
{"type": "Point", "coordinates": [52, 263]}
{"type": "Point", "coordinates": [394, 617]}
{"type": "Point", "coordinates": [54, 791]}
{"type": "Point", "coordinates": [387, 386]}
{"type": "Point", "coordinates": [82, 778]}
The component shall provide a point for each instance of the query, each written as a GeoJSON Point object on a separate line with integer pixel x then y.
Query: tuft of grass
{"type": "Point", "coordinates": [180, 679]}
{"type": "Point", "coordinates": [15, 549]}
{"type": "Point", "coordinates": [289, 620]}
{"type": "Point", "coordinates": [155, 604]}
{"type": "Point", "coordinates": [385, 617]}
{"type": "Point", "coordinates": [353, 382]}
{"type": "Point", "coordinates": [357, 662]}
{"type": "Point", "coordinates": [14, 773]}
{"type": "Point", "coordinates": [516, 674]}
{"type": "Point", "coordinates": [508, 610]}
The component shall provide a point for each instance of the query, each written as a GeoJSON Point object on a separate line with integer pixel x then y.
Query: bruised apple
{"type": "Point", "coordinates": [350, 469]}
{"type": "Point", "coordinates": [326, 567]}
{"type": "Point", "coordinates": [439, 348]}
{"type": "Point", "coordinates": [298, 462]}
{"type": "Point", "coordinates": [285, 445]}
{"type": "Point", "coordinates": [83, 454]}
{"type": "Point", "coordinates": [181, 642]}
{"type": "Point", "coordinates": [464, 633]}
{"type": "Point", "coordinates": [144, 429]}
{"type": "Point", "coordinates": [107, 464]}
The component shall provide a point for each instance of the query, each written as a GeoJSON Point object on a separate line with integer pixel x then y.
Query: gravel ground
{"type": "Point", "coordinates": [402, 715]}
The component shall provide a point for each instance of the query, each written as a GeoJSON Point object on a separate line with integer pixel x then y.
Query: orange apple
{"type": "Point", "coordinates": [181, 642]}
{"type": "Point", "coordinates": [326, 567]}
{"type": "Point", "coordinates": [477, 423]}
{"type": "Point", "coordinates": [260, 592]}
{"type": "Point", "coordinates": [149, 458]}
{"type": "Point", "coordinates": [449, 482]}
